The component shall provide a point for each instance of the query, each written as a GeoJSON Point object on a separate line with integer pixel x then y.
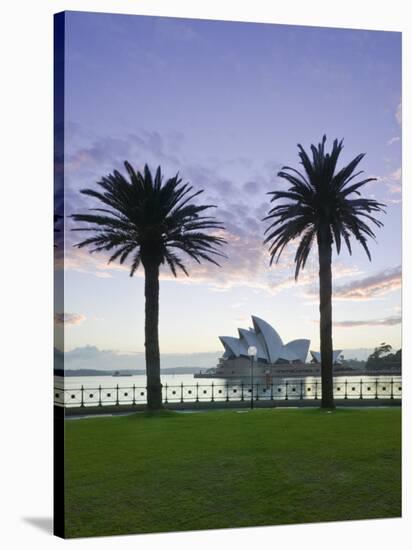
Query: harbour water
{"type": "Point", "coordinates": [109, 390]}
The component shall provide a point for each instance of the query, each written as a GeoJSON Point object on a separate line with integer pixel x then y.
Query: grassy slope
{"type": "Point", "coordinates": [135, 474]}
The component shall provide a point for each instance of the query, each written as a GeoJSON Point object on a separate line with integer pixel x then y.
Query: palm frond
{"type": "Point", "coordinates": [151, 218]}
{"type": "Point", "coordinates": [319, 196]}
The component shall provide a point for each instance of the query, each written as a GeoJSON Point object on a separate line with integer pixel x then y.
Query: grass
{"type": "Point", "coordinates": [169, 472]}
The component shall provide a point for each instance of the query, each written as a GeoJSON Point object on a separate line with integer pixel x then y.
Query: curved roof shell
{"type": "Point", "coordinates": [268, 343]}
{"type": "Point", "coordinates": [233, 346]}
{"type": "Point", "coordinates": [248, 337]}
{"type": "Point", "coordinates": [271, 338]}
{"type": "Point", "coordinates": [297, 350]}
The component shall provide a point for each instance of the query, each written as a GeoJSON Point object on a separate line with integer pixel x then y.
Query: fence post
{"type": "Point", "coordinates": [117, 394]}
{"type": "Point", "coordinates": [82, 397]}
{"type": "Point", "coordinates": [360, 390]}
{"type": "Point", "coordinates": [376, 389]}
{"type": "Point", "coordinates": [100, 396]}
{"type": "Point", "coordinates": [213, 392]}
{"type": "Point", "coordinates": [166, 394]}
{"type": "Point", "coordinates": [316, 389]}
{"type": "Point", "coordinates": [271, 390]}
{"type": "Point", "coordinates": [241, 393]}
{"type": "Point", "coordinates": [286, 391]}
{"type": "Point", "coordinates": [257, 391]}
{"type": "Point", "coordinates": [301, 389]}
{"type": "Point", "coordinates": [181, 392]}
{"type": "Point", "coordinates": [134, 394]}
{"type": "Point", "coordinates": [346, 389]}
{"type": "Point", "coordinates": [391, 388]}
{"type": "Point", "coordinates": [197, 392]}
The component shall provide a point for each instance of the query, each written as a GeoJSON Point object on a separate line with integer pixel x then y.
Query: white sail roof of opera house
{"type": "Point", "coordinates": [269, 345]}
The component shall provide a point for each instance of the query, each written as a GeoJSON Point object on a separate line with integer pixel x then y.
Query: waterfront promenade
{"type": "Point", "coordinates": [126, 395]}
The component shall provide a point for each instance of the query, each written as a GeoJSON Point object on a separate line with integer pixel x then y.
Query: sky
{"type": "Point", "coordinates": [225, 104]}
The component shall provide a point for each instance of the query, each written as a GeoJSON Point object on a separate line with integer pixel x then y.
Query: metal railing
{"type": "Point", "coordinates": [193, 393]}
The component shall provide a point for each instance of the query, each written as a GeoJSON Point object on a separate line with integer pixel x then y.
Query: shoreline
{"type": "Point", "coordinates": [278, 374]}
{"type": "Point", "coordinates": [301, 374]}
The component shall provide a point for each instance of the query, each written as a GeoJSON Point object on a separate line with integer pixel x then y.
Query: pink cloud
{"type": "Point", "coordinates": [370, 287]}
{"type": "Point", "coordinates": [387, 321]}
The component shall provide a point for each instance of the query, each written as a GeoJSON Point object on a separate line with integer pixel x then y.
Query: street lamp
{"type": "Point", "coordinates": [252, 352]}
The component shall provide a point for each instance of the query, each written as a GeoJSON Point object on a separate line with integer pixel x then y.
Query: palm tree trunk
{"type": "Point", "coordinates": [154, 386]}
{"type": "Point", "coordinates": [325, 309]}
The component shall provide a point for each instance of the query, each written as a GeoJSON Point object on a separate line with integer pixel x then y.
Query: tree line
{"type": "Point", "coordinates": [383, 358]}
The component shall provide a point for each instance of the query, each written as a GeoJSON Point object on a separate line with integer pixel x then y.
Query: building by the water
{"type": "Point", "coordinates": [273, 357]}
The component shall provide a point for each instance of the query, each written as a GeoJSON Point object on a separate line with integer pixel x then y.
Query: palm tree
{"type": "Point", "coordinates": [152, 222]}
{"type": "Point", "coordinates": [317, 206]}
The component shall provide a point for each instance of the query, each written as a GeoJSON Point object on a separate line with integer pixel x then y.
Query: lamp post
{"type": "Point", "coordinates": [252, 351]}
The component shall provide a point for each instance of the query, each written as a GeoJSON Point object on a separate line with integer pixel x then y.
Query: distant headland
{"type": "Point", "coordinates": [136, 372]}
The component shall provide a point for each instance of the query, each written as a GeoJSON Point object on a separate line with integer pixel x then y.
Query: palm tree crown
{"type": "Point", "coordinates": [151, 220]}
{"type": "Point", "coordinates": [319, 205]}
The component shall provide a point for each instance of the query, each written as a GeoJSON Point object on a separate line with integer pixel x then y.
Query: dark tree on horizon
{"type": "Point", "coordinates": [322, 205]}
{"type": "Point", "coordinates": [383, 356]}
{"type": "Point", "coordinates": [152, 222]}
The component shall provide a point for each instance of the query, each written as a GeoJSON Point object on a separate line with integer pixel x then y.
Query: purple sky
{"type": "Point", "coordinates": [225, 104]}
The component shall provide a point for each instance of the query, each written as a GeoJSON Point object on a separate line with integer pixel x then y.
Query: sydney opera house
{"type": "Point", "coordinates": [273, 357]}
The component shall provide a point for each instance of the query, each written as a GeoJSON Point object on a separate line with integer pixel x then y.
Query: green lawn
{"type": "Point", "coordinates": [139, 474]}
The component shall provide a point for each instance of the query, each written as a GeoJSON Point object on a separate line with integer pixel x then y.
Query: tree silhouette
{"type": "Point", "coordinates": [319, 206]}
{"type": "Point", "coordinates": [151, 222]}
